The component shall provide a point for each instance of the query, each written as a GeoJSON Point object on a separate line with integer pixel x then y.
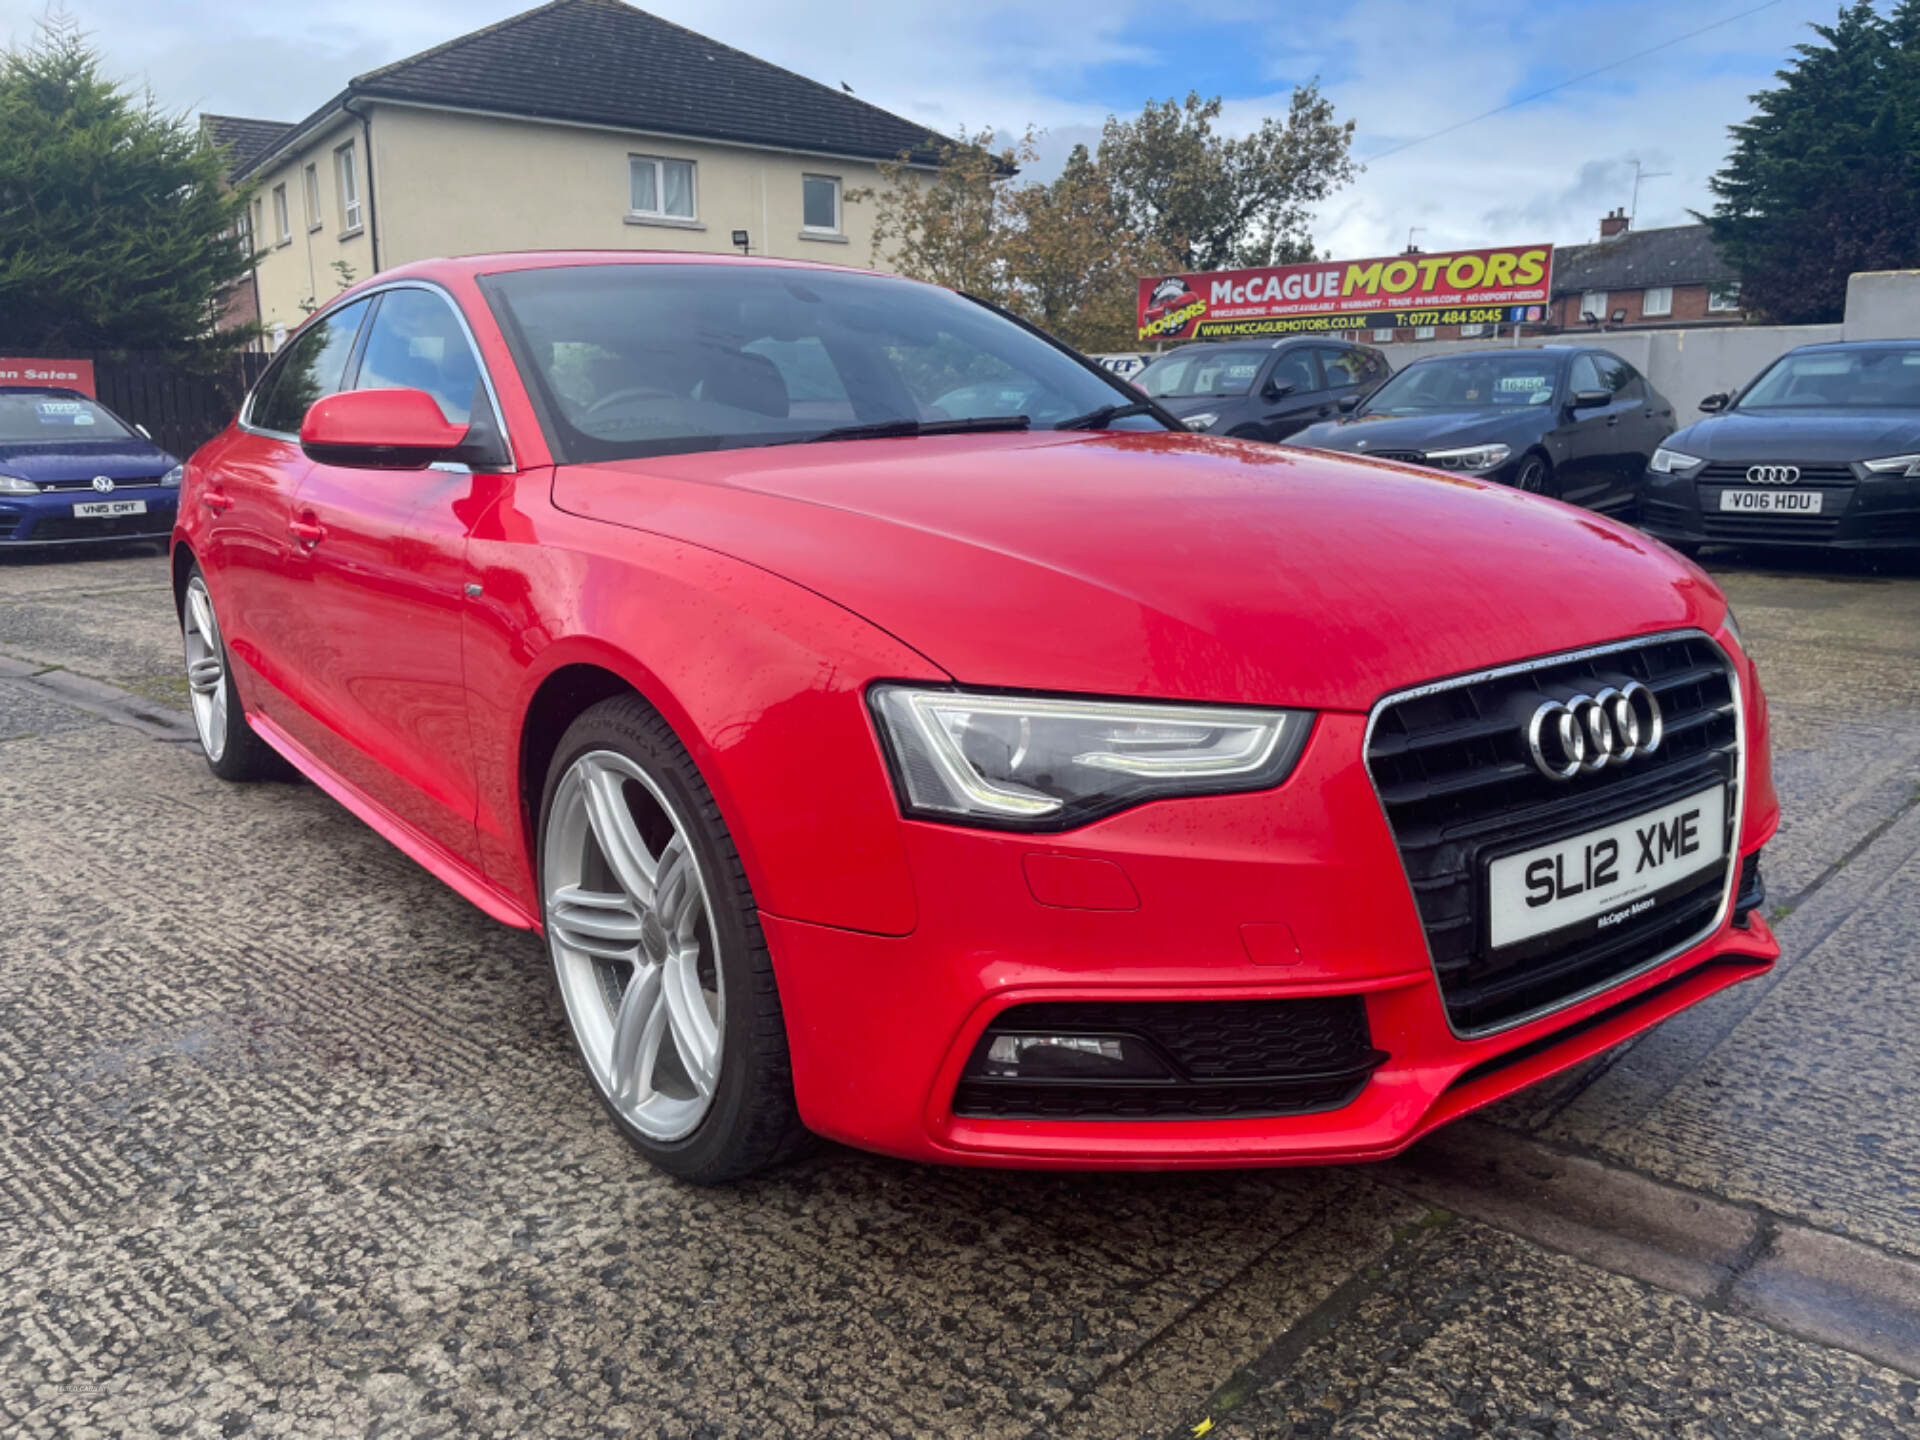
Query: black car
{"type": "Point", "coordinates": [1263, 391]}
{"type": "Point", "coordinates": [1822, 449]}
{"type": "Point", "coordinates": [1575, 423]}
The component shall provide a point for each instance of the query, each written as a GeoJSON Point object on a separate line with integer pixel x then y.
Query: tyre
{"type": "Point", "coordinates": [657, 951]}
{"type": "Point", "coordinates": [232, 749]}
{"type": "Point", "coordinates": [1534, 477]}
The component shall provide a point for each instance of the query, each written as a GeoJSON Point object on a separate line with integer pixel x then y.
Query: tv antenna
{"type": "Point", "coordinates": [1633, 211]}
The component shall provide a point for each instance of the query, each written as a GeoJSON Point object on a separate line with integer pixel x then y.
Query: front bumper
{"type": "Point", "coordinates": [1882, 513]}
{"type": "Point", "coordinates": [882, 1028]}
{"type": "Point", "coordinates": [48, 518]}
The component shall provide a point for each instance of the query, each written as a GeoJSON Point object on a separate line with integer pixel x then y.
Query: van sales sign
{"type": "Point", "coordinates": [50, 374]}
{"type": "Point", "coordinates": [1458, 287]}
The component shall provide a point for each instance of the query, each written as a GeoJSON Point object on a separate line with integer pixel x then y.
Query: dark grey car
{"type": "Point", "coordinates": [1264, 390]}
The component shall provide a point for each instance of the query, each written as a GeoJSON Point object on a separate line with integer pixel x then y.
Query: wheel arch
{"type": "Point", "coordinates": [183, 562]}
{"type": "Point", "coordinates": [563, 696]}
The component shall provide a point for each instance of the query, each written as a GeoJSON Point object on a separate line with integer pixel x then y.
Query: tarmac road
{"type": "Point", "coordinates": [292, 1142]}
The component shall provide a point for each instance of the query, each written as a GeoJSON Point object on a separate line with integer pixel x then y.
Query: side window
{"type": "Point", "coordinates": [1621, 378]}
{"type": "Point", "coordinates": [1343, 367]}
{"type": "Point", "coordinates": [416, 343]}
{"type": "Point", "coordinates": [1377, 367]}
{"type": "Point", "coordinates": [1586, 376]}
{"type": "Point", "coordinates": [311, 367]}
{"type": "Point", "coordinates": [1295, 368]}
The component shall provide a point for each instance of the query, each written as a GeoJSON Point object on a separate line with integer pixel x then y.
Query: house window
{"type": "Point", "coordinates": [1467, 332]}
{"type": "Point", "coordinates": [1656, 300]}
{"type": "Point", "coordinates": [1722, 299]}
{"type": "Point", "coordinates": [662, 189]}
{"type": "Point", "coordinates": [1594, 304]}
{"type": "Point", "coordinates": [349, 171]}
{"type": "Point", "coordinates": [1423, 332]}
{"type": "Point", "coordinates": [820, 204]}
{"type": "Point", "coordinates": [282, 222]}
{"type": "Point", "coordinates": [1383, 337]}
{"type": "Point", "coordinates": [312, 174]}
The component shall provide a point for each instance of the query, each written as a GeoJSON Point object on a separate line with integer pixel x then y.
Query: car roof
{"type": "Point", "coordinates": [1258, 347]}
{"type": "Point", "coordinates": [1847, 345]}
{"type": "Point", "coordinates": [62, 390]}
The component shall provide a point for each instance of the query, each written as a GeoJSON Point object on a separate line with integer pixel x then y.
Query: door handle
{"type": "Point", "coordinates": [218, 501]}
{"type": "Point", "coordinates": [307, 532]}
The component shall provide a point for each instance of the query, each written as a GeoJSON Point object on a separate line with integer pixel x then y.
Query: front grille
{"type": "Point", "coordinates": [1893, 525]}
{"type": "Point", "coordinates": [1770, 529]}
{"type": "Point", "coordinates": [1664, 512]}
{"type": "Point", "coordinates": [1224, 1058]}
{"type": "Point", "coordinates": [153, 524]}
{"type": "Point", "coordinates": [1452, 769]}
{"type": "Point", "coordinates": [1735, 473]}
{"type": "Point", "coordinates": [87, 484]}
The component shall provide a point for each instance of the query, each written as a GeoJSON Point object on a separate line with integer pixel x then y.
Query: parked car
{"type": "Point", "coordinates": [1263, 391]}
{"type": "Point", "coordinates": [1823, 448]}
{"type": "Point", "coordinates": [1575, 423]}
{"type": "Point", "coordinates": [73, 472]}
{"type": "Point", "coordinates": [1033, 789]}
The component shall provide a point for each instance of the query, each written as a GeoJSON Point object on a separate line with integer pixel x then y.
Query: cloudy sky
{"type": "Point", "coordinates": [1403, 69]}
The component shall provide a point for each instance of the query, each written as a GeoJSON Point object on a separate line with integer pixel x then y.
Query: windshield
{"type": "Point", "coordinates": [637, 360]}
{"type": "Point", "coordinates": [1201, 372]}
{"type": "Point", "coordinates": [1467, 382]}
{"type": "Point", "coordinates": [54, 419]}
{"type": "Point", "coordinates": [1839, 379]}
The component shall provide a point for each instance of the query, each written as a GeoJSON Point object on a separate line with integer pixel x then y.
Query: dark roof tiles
{"type": "Point", "coordinates": [243, 138]}
{"type": "Point", "coordinates": [1676, 255]}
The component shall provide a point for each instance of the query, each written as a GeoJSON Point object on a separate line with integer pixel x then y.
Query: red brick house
{"type": "Point", "coordinates": [1643, 279]}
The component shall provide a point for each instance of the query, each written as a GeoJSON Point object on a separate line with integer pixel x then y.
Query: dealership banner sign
{"type": "Point", "coordinates": [52, 374]}
{"type": "Point", "coordinates": [1459, 287]}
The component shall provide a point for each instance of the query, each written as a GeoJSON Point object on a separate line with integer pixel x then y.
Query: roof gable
{"type": "Point", "coordinates": [1675, 255]}
{"type": "Point", "coordinates": [602, 62]}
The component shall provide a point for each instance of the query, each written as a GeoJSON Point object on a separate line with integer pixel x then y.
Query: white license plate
{"type": "Point", "coordinates": [1771, 502]}
{"type": "Point", "coordinates": [98, 508]}
{"type": "Point", "coordinates": [1608, 875]}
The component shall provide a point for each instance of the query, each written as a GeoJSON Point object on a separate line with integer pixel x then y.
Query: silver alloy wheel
{"type": "Point", "coordinates": [631, 931]}
{"type": "Point", "coordinates": [206, 669]}
{"type": "Point", "coordinates": [1532, 478]}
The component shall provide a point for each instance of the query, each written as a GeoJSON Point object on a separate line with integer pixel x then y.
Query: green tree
{"type": "Point", "coordinates": [116, 230]}
{"type": "Point", "coordinates": [1214, 202]}
{"type": "Point", "coordinates": [1825, 179]}
{"type": "Point", "coordinates": [950, 226]}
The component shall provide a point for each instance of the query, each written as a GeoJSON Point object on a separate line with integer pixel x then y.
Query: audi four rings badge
{"type": "Point", "coordinates": [1772, 474]}
{"type": "Point", "coordinates": [1589, 731]}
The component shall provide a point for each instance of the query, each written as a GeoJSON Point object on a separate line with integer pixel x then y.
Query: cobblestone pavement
{"type": "Point", "coordinates": [292, 1143]}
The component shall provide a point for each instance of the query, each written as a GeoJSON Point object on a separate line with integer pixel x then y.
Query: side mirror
{"type": "Point", "coordinates": [1350, 403]}
{"type": "Point", "coordinates": [1276, 389]}
{"type": "Point", "coordinates": [1588, 399]}
{"type": "Point", "coordinates": [380, 430]}
{"type": "Point", "coordinates": [1715, 402]}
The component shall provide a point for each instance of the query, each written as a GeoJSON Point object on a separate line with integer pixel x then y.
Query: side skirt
{"type": "Point", "coordinates": [430, 855]}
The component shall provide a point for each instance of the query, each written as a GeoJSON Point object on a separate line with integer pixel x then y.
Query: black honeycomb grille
{"type": "Point", "coordinates": [1227, 1058]}
{"type": "Point", "coordinates": [1454, 777]}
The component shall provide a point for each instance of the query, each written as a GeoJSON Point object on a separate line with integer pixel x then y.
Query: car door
{"type": "Point", "coordinates": [1587, 467]}
{"type": "Point", "coordinates": [386, 570]}
{"type": "Point", "coordinates": [251, 561]}
{"type": "Point", "coordinates": [1633, 430]}
{"type": "Point", "coordinates": [1291, 394]}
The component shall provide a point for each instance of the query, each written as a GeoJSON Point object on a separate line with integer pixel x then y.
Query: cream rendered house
{"type": "Point", "coordinates": [583, 124]}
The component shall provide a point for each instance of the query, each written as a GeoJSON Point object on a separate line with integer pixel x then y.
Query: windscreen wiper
{"type": "Point", "coordinates": [891, 429]}
{"type": "Point", "coordinates": [1099, 419]}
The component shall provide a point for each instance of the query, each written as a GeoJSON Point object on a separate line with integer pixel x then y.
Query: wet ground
{"type": "Point", "coordinates": [292, 1143]}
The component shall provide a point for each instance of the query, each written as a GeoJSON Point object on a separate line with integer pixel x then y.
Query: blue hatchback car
{"type": "Point", "coordinates": [73, 472]}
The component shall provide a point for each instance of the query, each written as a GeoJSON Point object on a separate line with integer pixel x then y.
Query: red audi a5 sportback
{"type": "Point", "coordinates": [901, 731]}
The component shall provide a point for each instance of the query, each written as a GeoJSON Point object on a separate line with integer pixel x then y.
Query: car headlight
{"type": "Point", "coordinates": [1894, 465]}
{"type": "Point", "coordinates": [1030, 763]}
{"type": "Point", "coordinates": [1473, 457]}
{"type": "Point", "coordinates": [14, 485]}
{"type": "Point", "coordinates": [174, 476]}
{"type": "Point", "coordinates": [1673, 462]}
{"type": "Point", "coordinates": [1201, 421]}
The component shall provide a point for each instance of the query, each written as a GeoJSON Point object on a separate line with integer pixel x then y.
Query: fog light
{"type": "Point", "coordinates": [1063, 1057]}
